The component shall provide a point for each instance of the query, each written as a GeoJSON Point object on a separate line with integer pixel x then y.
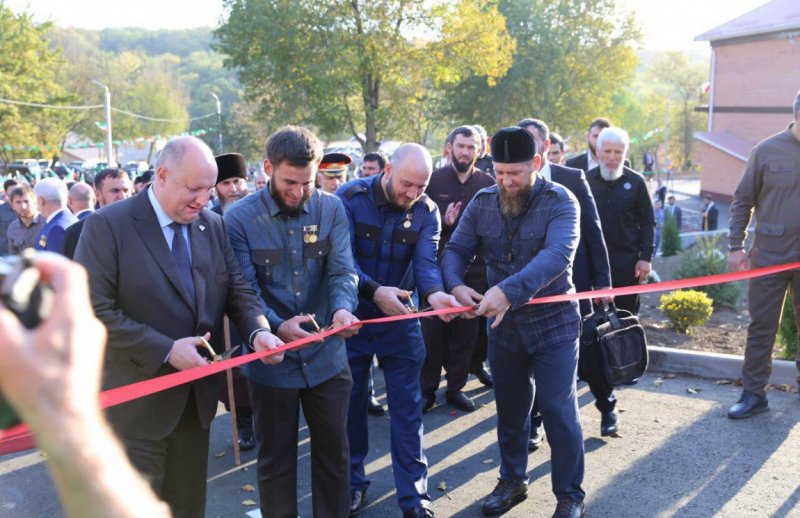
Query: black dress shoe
{"type": "Point", "coordinates": [507, 493]}
{"type": "Point", "coordinates": [359, 498]}
{"type": "Point", "coordinates": [375, 408]}
{"type": "Point", "coordinates": [246, 439]}
{"type": "Point", "coordinates": [461, 402]}
{"type": "Point", "coordinates": [569, 508]}
{"type": "Point", "coordinates": [749, 404]}
{"type": "Point", "coordinates": [484, 376]}
{"type": "Point", "coordinates": [536, 439]}
{"type": "Point", "coordinates": [428, 402]}
{"type": "Point", "coordinates": [608, 424]}
{"type": "Point", "coordinates": [419, 512]}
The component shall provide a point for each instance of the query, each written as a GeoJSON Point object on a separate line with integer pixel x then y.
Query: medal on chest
{"type": "Point", "coordinates": [310, 233]}
{"type": "Point", "coordinates": [407, 221]}
{"type": "Point", "coordinates": [43, 241]}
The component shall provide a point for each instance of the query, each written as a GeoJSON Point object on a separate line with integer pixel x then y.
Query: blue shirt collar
{"type": "Point", "coordinates": [163, 219]}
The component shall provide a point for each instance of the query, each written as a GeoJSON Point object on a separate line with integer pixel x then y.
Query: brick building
{"type": "Point", "coordinates": [754, 77]}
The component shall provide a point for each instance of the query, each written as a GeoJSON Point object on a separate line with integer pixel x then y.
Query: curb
{"type": "Point", "coordinates": [714, 365]}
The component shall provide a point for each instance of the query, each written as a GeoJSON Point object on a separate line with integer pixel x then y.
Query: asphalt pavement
{"type": "Point", "coordinates": [677, 455]}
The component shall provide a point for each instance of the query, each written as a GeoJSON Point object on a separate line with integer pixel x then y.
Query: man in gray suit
{"type": "Point", "coordinates": [770, 187]}
{"type": "Point", "coordinates": [162, 274]}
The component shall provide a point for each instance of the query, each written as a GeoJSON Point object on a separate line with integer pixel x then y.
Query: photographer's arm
{"type": "Point", "coordinates": [51, 376]}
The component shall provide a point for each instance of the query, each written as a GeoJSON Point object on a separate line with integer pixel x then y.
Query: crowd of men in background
{"type": "Point", "coordinates": [311, 248]}
{"type": "Point", "coordinates": [399, 218]}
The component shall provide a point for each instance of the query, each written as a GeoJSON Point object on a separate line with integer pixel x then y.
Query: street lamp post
{"type": "Point", "coordinates": [108, 122]}
{"type": "Point", "coordinates": [219, 122]}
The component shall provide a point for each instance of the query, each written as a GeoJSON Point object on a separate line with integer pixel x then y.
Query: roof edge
{"type": "Point", "coordinates": [717, 146]}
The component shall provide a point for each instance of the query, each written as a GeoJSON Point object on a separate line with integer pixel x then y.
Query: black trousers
{"type": "Point", "coordinates": [448, 345]}
{"type": "Point", "coordinates": [177, 465]}
{"type": "Point", "coordinates": [276, 413]}
{"type": "Point", "coordinates": [481, 347]}
{"type": "Point", "coordinates": [622, 274]}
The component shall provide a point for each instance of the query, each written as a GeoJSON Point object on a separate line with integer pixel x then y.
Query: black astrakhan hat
{"type": "Point", "coordinates": [231, 165]}
{"type": "Point", "coordinates": [513, 145]}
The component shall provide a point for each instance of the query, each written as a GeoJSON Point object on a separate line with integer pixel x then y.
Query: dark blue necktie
{"type": "Point", "coordinates": [180, 252]}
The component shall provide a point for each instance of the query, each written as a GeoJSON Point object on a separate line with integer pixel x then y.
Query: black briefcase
{"type": "Point", "coordinates": [613, 348]}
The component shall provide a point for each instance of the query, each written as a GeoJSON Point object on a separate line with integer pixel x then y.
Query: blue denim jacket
{"type": "Point", "coordinates": [526, 257]}
{"type": "Point", "coordinates": [292, 276]}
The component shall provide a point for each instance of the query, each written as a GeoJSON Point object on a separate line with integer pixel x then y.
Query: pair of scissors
{"type": "Point", "coordinates": [218, 357]}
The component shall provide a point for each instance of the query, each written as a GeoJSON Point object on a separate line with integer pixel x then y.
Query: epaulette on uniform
{"type": "Point", "coordinates": [429, 203]}
{"type": "Point", "coordinates": [356, 188]}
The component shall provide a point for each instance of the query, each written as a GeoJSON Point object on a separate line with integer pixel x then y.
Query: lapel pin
{"type": "Point", "coordinates": [202, 227]}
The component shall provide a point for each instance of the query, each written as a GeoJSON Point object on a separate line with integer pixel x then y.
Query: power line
{"type": "Point", "coordinates": [95, 106]}
{"type": "Point", "coordinates": [51, 106]}
{"type": "Point", "coordinates": [155, 119]}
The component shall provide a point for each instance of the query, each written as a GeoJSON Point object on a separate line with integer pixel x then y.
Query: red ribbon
{"type": "Point", "coordinates": [20, 438]}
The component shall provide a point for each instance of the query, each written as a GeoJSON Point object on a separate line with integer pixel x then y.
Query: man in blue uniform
{"type": "Point", "coordinates": [528, 229]}
{"type": "Point", "coordinates": [51, 197]}
{"type": "Point", "coordinates": [394, 233]}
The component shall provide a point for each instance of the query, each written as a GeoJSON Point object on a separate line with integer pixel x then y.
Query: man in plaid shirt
{"type": "Point", "coordinates": [528, 229]}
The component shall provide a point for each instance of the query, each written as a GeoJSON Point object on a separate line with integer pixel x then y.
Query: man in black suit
{"type": "Point", "coordinates": [590, 269]}
{"type": "Point", "coordinates": [110, 185]}
{"type": "Point", "coordinates": [162, 274]}
{"type": "Point", "coordinates": [588, 160]}
{"type": "Point", "coordinates": [673, 211]}
{"type": "Point", "coordinates": [626, 214]}
{"type": "Point", "coordinates": [710, 214]}
{"type": "Point", "coordinates": [628, 221]}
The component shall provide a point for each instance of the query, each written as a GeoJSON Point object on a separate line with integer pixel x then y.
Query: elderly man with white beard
{"type": "Point", "coordinates": [626, 214]}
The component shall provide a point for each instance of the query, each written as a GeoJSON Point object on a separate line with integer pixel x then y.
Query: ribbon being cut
{"type": "Point", "coordinates": [19, 438]}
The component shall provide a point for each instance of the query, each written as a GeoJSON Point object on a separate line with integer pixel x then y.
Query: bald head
{"type": "Point", "coordinates": [80, 198]}
{"type": "Point", "coordinates": [185, 172]}
{"type": "Point", "coordinates": [417, 157]}
{"type": "Point", "coordinates": [407, 175]}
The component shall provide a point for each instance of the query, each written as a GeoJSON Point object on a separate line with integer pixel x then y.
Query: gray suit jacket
{"type": "Point", "coordinates": [138, 294]}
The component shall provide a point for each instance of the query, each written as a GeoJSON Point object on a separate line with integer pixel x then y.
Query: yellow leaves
{"type": "Point", "coordinates": [686, 308]}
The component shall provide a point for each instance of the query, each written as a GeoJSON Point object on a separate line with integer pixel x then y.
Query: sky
{"type": "Point", "coordinates": [666, 24]}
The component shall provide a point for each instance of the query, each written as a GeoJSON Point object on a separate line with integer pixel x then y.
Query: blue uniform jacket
{"type": "Point", "coordinates": [293, 275]}
{"type": "Point", "coordinates": [526, 257]}
{"type": "Point", "coordinates": [387, 250]}
{"type": "Point", "coordinates": [52, 235]}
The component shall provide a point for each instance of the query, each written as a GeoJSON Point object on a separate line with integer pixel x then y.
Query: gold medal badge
{"type": "Point", "coordinates": [310, 234]}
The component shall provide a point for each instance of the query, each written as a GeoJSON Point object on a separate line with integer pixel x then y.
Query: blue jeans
{"type": "Point", "coordinates": [514, 369]}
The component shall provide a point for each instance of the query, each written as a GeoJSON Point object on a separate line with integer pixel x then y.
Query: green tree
{"type": "Point", "coordinates": [26, 74]}
{"type": "Point", "coordinates": [351, 62]}
{"type": "Point", "coordinates": [670, 237]}
{"type": "Point", "coordinates": [787, 332]}
{"type": "Point", "coordinates": [571, 57]}
{"type": "Point", "coordinates": [678, 77]}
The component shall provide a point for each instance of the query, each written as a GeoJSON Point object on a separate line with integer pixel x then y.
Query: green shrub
{"type": "Point", "coordinates": [706, 259]}
{"type": "Point", "coordinates": [787, 332]}
{"type": "Point", "coordinates": [670, 237]}
{"type": "Point", "coordinates": [686, 308]}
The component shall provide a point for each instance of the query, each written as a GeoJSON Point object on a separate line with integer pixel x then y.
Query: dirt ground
{"type": "Point", "coordinates": [724, 332]}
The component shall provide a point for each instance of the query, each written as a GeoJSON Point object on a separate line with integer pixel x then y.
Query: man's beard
{"type": "Point", "coordinates": [392, 196]}
{"type": "Point", "coordinates": [513, 205]}
{"type": "Point", "coordinates": [592, 149]}
{"type": "Point", "coordinates": [289, 211]}
{"type": "Point", "coordinates": [610, 175]}
{"type": "Point", "coordinates": [225, 201]}
{"type": "Point", "coordinates": [462, 167]}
